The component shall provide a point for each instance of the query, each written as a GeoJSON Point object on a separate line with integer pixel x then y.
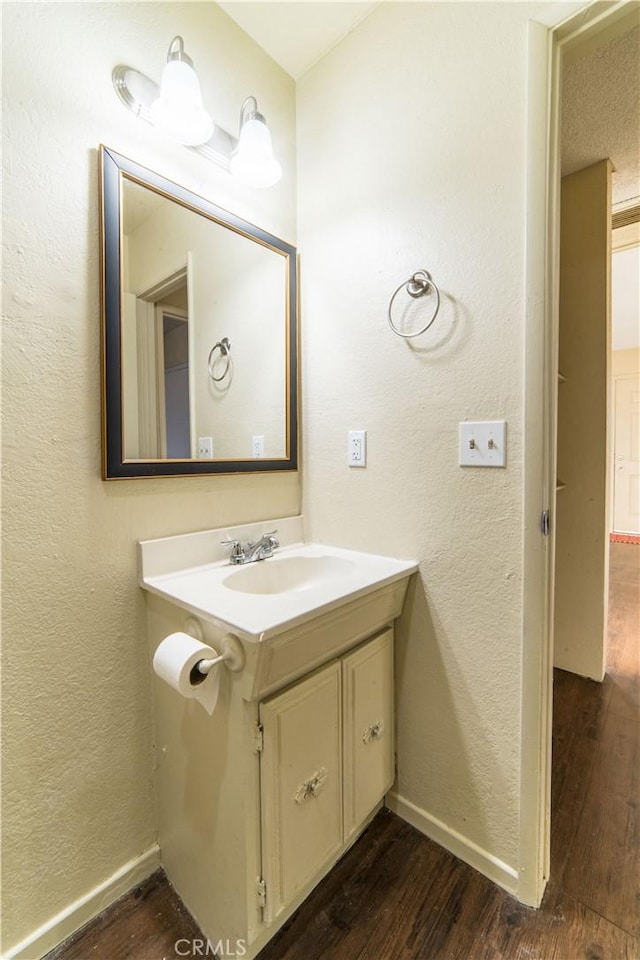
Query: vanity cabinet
{"type": "Point", "coordinates": [258, 800]}
{"type": "Point", "coordinates": [327, 760]}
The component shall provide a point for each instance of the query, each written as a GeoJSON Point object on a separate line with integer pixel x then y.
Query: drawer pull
{"type": "Point", "coordinates": [374, 732]}
{"type": "Point", "coordinates": [312, 786]}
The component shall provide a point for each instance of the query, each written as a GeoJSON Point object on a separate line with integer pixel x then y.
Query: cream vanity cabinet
{"type": "Point", "coordinates": [327, 759]}
{"type": "Point", "coordinates": [257, 801]}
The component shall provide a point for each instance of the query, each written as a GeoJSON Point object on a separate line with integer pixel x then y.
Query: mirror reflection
{"type": "Point", "coordinates": [190, 288]}
{"type": "Point", "coordinates": [199, 333]}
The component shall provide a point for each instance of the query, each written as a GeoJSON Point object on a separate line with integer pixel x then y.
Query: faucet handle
{"type": "Point", "coordinates": [236, 549]}
{"type": "Point", "coordinates": [271, 536]}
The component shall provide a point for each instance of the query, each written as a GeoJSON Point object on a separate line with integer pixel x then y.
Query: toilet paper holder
{"type": "Point", "coordinates": [205, 666]}
{"type": "Point", "coordinates": [232, 654]}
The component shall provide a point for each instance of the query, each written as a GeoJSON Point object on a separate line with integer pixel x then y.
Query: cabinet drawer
{"type": "Point", "coordinates": [301, 778]}
{"type": "Point", "coordinates": [367, 693]}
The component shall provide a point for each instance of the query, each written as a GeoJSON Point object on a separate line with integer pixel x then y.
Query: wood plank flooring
{"type": "Point", "coordinates": [145, 924]}
{"type": "Point", "coordinates": [398, 896]}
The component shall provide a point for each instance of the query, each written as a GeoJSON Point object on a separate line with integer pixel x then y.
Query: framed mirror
{"type": "Point", "coordinates": [199, 345]}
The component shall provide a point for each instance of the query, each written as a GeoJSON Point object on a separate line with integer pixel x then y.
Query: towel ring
{"type": "Point", "coordinates": [224, 346]}
{"type": "Point", "coordinates": [418, 284]}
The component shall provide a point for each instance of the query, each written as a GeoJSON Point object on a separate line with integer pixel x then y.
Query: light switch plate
{"type": "Point", "coordinates": [483, 443]}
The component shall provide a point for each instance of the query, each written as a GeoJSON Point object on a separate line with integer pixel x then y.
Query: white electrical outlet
{"type": "Point", "coordinates": [483, 444]}
{"type": "Point", "coordinates": [205, 448]}
{"type": "Point", "coordinates": [257, 447]}
{"type": "Point", "coordinates": [357, 448]}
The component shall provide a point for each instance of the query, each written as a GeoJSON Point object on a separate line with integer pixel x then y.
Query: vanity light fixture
{"type": "Point", "coordinates": [178, 109]}
{"type": "Point", "coordinates": [253, 161]}
{"type": "Point", "coordinates": [175, 107]}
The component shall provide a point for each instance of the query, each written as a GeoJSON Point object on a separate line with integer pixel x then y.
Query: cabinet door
{"type": "Point", "coordinates": [301, 780]}
{"type": "Point", "coordinates": [367, 685]}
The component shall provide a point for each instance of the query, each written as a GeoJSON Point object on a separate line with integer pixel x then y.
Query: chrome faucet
{"type": "Point", "coordinates": [249, 552]}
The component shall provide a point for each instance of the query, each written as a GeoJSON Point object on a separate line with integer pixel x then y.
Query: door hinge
{"type": "Point", "coordinates": [545, 523]}
{"type": "Point", "coordinates": [261, 892]}
{"type": "Point", "coordinates": [258, 737]}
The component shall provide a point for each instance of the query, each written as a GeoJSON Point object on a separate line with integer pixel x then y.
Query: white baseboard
{"type": "Point", "coordinates": [58, 928]}
{"type": "Point", "coordinates": [461, 847]}
{"type": "Point", "coordinates": [50, 934]}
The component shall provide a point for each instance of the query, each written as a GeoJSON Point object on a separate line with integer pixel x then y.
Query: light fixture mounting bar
{"type": "Point", "coordinates": [137, 92]}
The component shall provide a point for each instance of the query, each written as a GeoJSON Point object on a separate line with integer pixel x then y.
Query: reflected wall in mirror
{"type": "Point", "coordinates": [200, 339]}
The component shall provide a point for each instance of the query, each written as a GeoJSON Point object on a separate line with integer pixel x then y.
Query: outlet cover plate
{"type": "Point", "coordinates": [357, 448]}
{"type": "Point", "coordinates": [205, 448]}
{"type": "Point", "coordinates": [257, 447]}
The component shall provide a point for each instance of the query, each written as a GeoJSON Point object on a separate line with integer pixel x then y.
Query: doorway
{"type": "Point", "coordinates": [550, 42]}
{"type": "Point", "coordinates": [164, 427]}
{"type": "Point", "coordinates": [595, 404]}
{"type": "Point", "coordinates": [173, 329]}
{"type": "Point", "coordinates": [599, 151]}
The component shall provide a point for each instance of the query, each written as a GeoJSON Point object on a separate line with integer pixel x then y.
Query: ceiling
{"type": "Point", "coordinates": [600, 115]}
{"type": "Point", "coordinates": [297, 34]}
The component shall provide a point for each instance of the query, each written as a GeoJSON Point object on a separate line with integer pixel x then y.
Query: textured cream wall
{"type": "Point", "coordinates": [77, 756]}
{"type": "Point", "coordinates": [625, 362]}
{"type": "Point", "coordinates": [411, 155]}
{"type": "Point", "coordinates": [625, 295]}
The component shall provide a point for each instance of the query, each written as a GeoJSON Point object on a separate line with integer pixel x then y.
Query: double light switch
{"type": "Point", "coordinates": [483, 443]}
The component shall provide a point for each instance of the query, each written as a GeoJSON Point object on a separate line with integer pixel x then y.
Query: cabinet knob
{"type": "Point", "coordinates": [312, 786]}
{"type": "Point", "coordinates": [374, 732]}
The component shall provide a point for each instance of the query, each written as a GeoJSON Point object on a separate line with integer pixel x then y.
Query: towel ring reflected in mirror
{"type": "Point", "coordinates": [224, 346]}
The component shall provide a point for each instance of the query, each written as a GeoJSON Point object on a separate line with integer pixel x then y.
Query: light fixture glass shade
{"type": "Point", "coordinates": [178, 111]}
{"type": "Point", "coordinates": [253, 162]}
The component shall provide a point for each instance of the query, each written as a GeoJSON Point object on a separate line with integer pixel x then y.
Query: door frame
{"type": "Point", "coordinates": [551, 38]}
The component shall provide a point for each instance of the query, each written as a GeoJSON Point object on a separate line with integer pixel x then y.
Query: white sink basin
{"type": "Point", "coordinates": [260, 600]}
{"type": "Point", "coordinates": [285, 574]}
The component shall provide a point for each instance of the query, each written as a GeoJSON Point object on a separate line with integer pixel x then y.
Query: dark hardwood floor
{"type": "Point", "coordinates": [398, 896]}
{"type": "Point", "coordinates": [145, 924]}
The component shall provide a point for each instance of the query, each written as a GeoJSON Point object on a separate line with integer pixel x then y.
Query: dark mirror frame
{"type": "Point", "coordinates": [113, 167]}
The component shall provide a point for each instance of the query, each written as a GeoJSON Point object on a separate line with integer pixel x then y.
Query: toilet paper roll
{"type": "Point", "coordinates": [175, 662]}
